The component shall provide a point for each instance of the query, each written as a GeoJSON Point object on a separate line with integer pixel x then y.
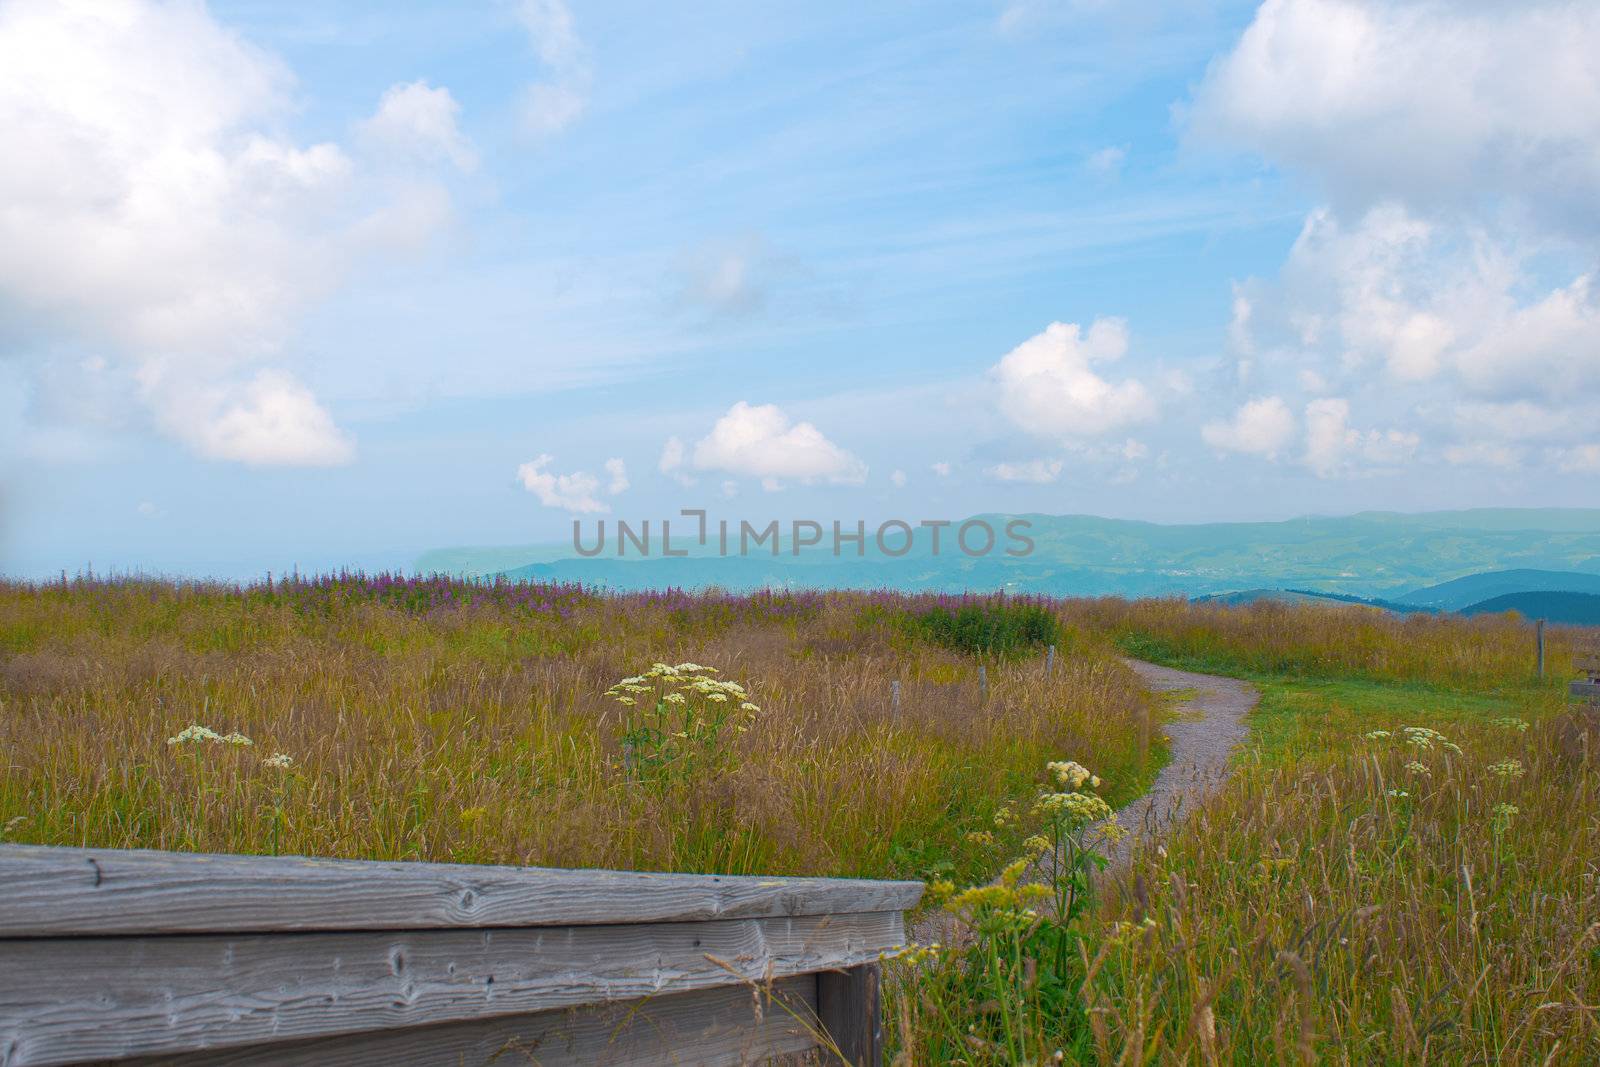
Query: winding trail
{"type": "Point", "coordinates": [1208, 729]}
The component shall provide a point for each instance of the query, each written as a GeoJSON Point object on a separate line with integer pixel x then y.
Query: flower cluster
{"type": "Point", "coordinates": [197, 734]}
{"type": "Point", "coordinates": [684, 720]}
{"type": "Point", "coordinates": [1418, 768]}
{"type": "Point", "coordinates": [1072, 775]}
{"type": "Point", "coordinates": [1500, 817]}
{"type": "Point", "coordinates": [1421, 737]}
{"type": "Point", "coordinates": [281, 761]}
{"type": "Point", "coordinates": [1508, 769]}
{"type": "Point", "coordinates": [1077, 809]}
{"type": "Point", "coordinates": [1510, 722]}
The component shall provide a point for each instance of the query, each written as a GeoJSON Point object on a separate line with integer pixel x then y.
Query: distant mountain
{"type": "Point", "coordinates": [1370, 555]}
{"type": "Point", "coordinates": [1303, 596]}
{"type": "Point", "coordinates": [1462, 593]}
{"type": "Point", "coordinates": [1577, 609]}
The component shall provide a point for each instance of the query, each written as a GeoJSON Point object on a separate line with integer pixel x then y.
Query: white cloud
{"type": "Point", "coordinates": [617, 472]}
{"type": "Point", "coordinates": [731, 276]}
{"type": "Point", "coordinates": [273, 420]}
{"type": "Point", "coordinates": [941, 469]}
{"type": "Point", "coordinates": [152, 212]}
{"type": "Point", "coordinates": [1262, 427]}
{"type": "Point", "coordinates": [419, 120]}
{"type": "Point", "coordinates": [1430, 103]}
{"type": "Point", "coordinates": [1583, 459]}
{"type": "Point", "coordinates": [550, 106]}
{"type": "Point", "coordinates": [1049, 388]}
{"type": "Point", "coordinates": [1334, 448]}
{"type": "Point", "coordinates": [1035, 471]}
{"type": "Point", "coordinates": [1484, 454]}
{"type": "Point", "coordinates": [576, 492]}
{"type": "Point", "coordinates": [898, 478]}
{"type": "Point", "coordinates": [1107, 162]}
{"type": "Point", "coordinates": [673, 458]}
{"type": "Point", "coordinates": [760, 441]}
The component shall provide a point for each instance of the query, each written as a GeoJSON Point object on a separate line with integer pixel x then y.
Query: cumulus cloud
{"type": "Point", "coordinates": [577, 492]}
{"type": "Point", "coordinates": [1034, 471]}
{"type": "Point", "coordinates": [941, 469]}
{"type": "Point", "coordinates": [272, 420]}
{"type": "Point", "coordinates": [153, 214]}
{"type": "Point", "coordinates": [550, 106]}
{"type": "Point", "coordinates": [617, 474]}
{"type": "Point", "coordinates": [1048, 385]}
{"type": "Point", "coordinates": [417, 119]}
{"type": "Point", "coordinates": [1445, 315]}
{"type": "Point", "coordinates": [1333, 447]}
{"type": "Point", "coordinates": [1262, 427]}
{"type": "Point", "coordinates": [674, 458]}
{"type": "Point", "coordinates": [1451, 273]}
{"type": "Point", "coordinates": [761, 441]}
{"type": "Point", "coordinates": [1431, 104]}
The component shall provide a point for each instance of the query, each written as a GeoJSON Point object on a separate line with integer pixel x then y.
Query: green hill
{"type": "Point", "coordinates": [1370, 555]}
{"type": "Point", "coordinates": [1463, 593]}
{"type": "Point", "coordinates": [1577, 609]}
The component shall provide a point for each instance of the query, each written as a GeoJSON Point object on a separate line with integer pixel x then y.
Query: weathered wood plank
{"type": "Point", "coordinates": [57, 891]}
{"type": "Point", "coordinates": [1586, 690]}
{"type": "Point", "coordinates": [726, 1025]}
{"type": "Point", "coordinates": [85, 998]}
{"type": "Point", "coordinates": [851, 1015]}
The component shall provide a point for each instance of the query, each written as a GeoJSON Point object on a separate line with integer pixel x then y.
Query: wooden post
{"type": "Point", "coordinates": [983, 682]}
{"type": "Point", "coordinates": [851, 1016]}
{"type": "Point", "coordinates": [1050, 660]}
{"type": "Point", "coordinates": [894, 690]}
{"type": "Point", "coordinates": [1538, 637]}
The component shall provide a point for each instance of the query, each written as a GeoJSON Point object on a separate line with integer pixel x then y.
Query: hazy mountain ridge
{"type": "Point", "coordinates": [1368, 555]}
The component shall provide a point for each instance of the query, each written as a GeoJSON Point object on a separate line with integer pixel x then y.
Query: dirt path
{"type": "Point", "coordinates": [1209, 727]}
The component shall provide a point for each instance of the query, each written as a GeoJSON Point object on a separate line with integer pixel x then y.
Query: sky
{"type": "Point", "coordinates": [332, 284]}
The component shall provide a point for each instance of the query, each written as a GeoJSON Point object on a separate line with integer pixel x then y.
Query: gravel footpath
{"type": "Point", "coordinates": [1209, 727]}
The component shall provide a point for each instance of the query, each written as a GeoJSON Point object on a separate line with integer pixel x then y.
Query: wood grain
{"type": "Point", "coordinates": [726, 1025]}
{"type": "Point", "coordinates": [852, 1019]}
{"type": "Point", "coordinates": [75, 999]}
{"type": "Point", "coordinates": [72, 891]}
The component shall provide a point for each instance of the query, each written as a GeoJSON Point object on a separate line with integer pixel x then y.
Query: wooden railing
{"type": "Point", "coordinates": [1587, 660]}
{"type": "Point", "coordinates": [160, 957]}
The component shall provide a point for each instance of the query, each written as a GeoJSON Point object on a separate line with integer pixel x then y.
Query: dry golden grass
{"type": "Point", "coordinates": [1304, 639]}
{"type": "Point", "coordinates": [478, 732]}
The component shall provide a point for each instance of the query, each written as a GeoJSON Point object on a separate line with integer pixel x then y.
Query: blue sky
{"type": "Point", "coordinates": [334, 284]}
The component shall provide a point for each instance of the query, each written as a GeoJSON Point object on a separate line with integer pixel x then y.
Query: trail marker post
{"type": "Point", "coordinates": [1538, 638]}
{"type": "Point", "coordinates": [1050, 660]}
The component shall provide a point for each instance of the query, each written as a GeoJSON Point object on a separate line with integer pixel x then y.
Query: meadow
{"type": "Point", "coordinates": [436, 720]}
{"type": "Point", "coordinates": [1403, 868]}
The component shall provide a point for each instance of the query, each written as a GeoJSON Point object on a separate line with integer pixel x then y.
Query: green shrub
{"type": "Point", "coordinates": [994, 628]}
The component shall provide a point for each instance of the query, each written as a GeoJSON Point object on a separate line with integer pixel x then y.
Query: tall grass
{"type": "Point", "coordinates": [1266, 637]}
{"type": "Point", "coordinates": [1346, 898]}
{"type": "Point", "coordinates": [450, 721]}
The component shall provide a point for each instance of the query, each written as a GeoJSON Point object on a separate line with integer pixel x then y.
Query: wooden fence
{"type": "Point", "coordinates": [1588, 661]}
{"type": "Point", "coordinates": [159, 957]}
